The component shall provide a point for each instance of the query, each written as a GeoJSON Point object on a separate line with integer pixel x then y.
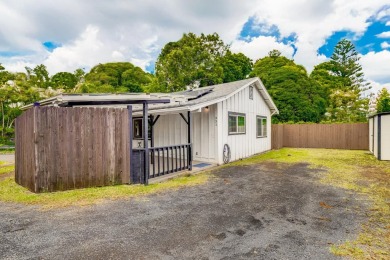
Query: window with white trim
{"type": "Point", "coordinates": [237, 123]}
{"type": "Point", "coordinates": [261, 126]}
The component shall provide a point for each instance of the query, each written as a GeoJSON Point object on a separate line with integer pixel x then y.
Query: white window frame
{"type": "Point", "coordinates": [234, 114]}
{"type": "Point", "coordinates": [263, 128]}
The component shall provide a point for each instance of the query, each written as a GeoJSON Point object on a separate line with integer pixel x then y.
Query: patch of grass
{"type": "Point", "coordinates": [357, 171]}
{"type": "Point", "coordinates": [6, 169]}
{"type": "Point", "coordinates": [12, 192]}
{"type": "Point", "coordinates": [283, 155]}
{"type": "Point", "coordinates": [7, 151]}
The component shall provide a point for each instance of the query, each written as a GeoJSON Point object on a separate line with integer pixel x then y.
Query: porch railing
{"type": "Point", "coordinates": [163, 160]}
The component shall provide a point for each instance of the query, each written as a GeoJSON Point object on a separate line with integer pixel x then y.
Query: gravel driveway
{"type": "Point", "coordinates": [267, 211]}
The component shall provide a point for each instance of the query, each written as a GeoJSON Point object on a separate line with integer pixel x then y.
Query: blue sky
{"type": "Point", "coordinates": [363, 43]}
{"type": "Point", "coordinates": [75, 34]}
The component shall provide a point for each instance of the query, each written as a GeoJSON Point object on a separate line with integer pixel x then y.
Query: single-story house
{"type": "Point", "coordinates": [230, 121]}
{"type": "Point", "coordinates": [133, 137]}
{"type": "Point", "coordinates": [379, 141]}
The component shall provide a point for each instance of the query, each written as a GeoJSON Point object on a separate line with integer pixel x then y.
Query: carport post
{"type": "Point", "coordinates": [146, 143]}
{"type": "Point", "coordinates": [189, 141]}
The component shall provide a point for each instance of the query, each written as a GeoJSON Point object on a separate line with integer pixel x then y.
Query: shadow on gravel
{"type": "Point", "coordinates": [267, 211]}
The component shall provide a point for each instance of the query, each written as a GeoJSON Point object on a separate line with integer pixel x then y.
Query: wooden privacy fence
{"type": "Point", "coordinates": [67, 148]}
{"type": "Point", "coordinates": [334, 136]}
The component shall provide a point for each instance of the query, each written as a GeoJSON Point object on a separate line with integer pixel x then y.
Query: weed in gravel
{"type": "Point", "coordinates": [356, 171]}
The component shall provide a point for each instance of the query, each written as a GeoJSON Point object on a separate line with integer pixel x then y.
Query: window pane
{"type": "Point", "coordinates": [258, 126]}
{"type": "Point", "coordinates": [137, 128]}
{"type": "Point", "coordinates": [241, 124]}
{"type": "Point", "coordinates": [232, 124]}
{"type": "Point", "coordinates": [264, 126]}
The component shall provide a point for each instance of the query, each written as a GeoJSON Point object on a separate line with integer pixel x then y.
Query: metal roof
{"type": "Point", "coordinates": [188, 100]}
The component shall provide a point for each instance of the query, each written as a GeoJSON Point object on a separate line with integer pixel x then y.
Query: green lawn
{"type": "Point", "coordinates": [356, 171]}
{"type": "Point", "coordinates": [6, 169]}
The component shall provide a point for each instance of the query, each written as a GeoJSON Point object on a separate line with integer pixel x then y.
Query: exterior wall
{"type": "Point", "coordinates": [385, 136]}
{"type": "Point", "coordinates": [371, 135]}
{"type": "Point", "coordinates": [171, 130]}
{"type": "Point", "coordinates": [204, 134]}
{"type": "Point", "coordinates": [385, 139]}
{"type": "Point", "coordinates": [243, 145]}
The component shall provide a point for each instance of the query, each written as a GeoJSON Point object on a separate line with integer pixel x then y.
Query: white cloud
{"type": "Point", "coordinates": [384, 35]}
{"type": "Point", "coordinates": [388, 23]}
{"type": "Point", "coordinates": [385, 45]}
{"type": "Point", "coordinates": [376, 86]}
{"type": "Point", "coordinates": [135, 31]}
{"type": "Point", "coordinates": [260, 46]}
{"type": "Point", "coordinates": [376, 66]}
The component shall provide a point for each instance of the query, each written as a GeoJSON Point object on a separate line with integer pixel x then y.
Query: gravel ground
{"type": "Point", "coordinates": [265, 211]}
{"type": "Point", "coordinates": [10, 158]}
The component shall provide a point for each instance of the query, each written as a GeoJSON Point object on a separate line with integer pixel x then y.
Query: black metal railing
{"type": "Point", "coordinates": [163, 160]}
{"type": "Point", "coordinates": [169, 159]}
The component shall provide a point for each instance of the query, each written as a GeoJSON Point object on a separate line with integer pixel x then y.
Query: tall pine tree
{"type": "Point", "coordinates": [343, 79]}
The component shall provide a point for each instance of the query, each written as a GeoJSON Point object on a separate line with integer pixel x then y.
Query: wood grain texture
{"type": "Point", "coordinates": [333, 136]}
{"type": "Point", "coordinates": [67, 148]}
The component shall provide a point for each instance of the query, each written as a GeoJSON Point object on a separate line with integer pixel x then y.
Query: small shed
{"type": "Point", "coordinates": [379, 131]}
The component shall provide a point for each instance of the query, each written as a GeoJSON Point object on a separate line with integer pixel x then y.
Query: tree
{"type": "Point", "coordinates": [346, 106]}
{"type": "Point", "coordinates": [345, 65]}
{"type": "Point", "coordinates": [236, 66]}
{"type": "Point", "coordinates": [193, 61]}
{"type": "Point", "coordinates": [79, 74]}
{"type": "Point", "coordinates": [342, 78]}
{"type": "Point", "coordinates": [297, 97]}
{"type": "Point", "coordinates": [383, 101]}
{"type": "Point", "coordinates": [116, 77]}
{"type": "Point", "coordinates": [64, 80]}
{"type": "Point", "coordinates": [42, 79]}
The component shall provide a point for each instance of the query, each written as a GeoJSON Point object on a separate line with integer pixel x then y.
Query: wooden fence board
{"type": "Point", "coordinates": [334, 136]}
{"type": "Point", "coordinates": [69, 148]}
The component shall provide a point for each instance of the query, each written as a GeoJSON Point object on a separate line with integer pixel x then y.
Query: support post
{"type": "Point", "coordinates": [146, 143]}
{"type": "Point", "coordinates": [133, 175]}
{"type": "Point", "coordinates": [152, 136]}
{"type": "Point", "coordinates": [189, 123]}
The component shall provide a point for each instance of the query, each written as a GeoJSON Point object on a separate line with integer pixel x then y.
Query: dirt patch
{"type": "Point", "coordinates": [244, 212]}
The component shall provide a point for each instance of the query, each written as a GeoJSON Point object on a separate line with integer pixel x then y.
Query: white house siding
{"type": "Point", "coordinates": [385, 137]}
{"type": "Point", "coordinates": [375, 120]}
{"type": "Point", "coordinates": [172, 130]}
{"type": "Point", "coordinates": [243, 145]}
{"type": "Point", "coordinates": [371, 134]}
